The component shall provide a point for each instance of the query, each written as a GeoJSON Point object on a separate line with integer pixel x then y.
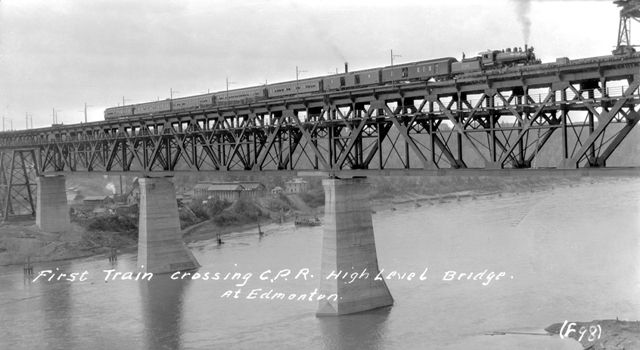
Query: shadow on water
{"type": "Point", "coordinates": [57, 305]}
{"type": "Point", "coordinates": [365, 330]}
{"type": "Point", "coordinates": [162, 300]}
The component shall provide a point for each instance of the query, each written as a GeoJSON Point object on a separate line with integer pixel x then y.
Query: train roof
{"type": "Point", "coordinates": [314, 79]}
{"type": "Point", "coordinates": [299, 81]}
{"type": "Point", "coordinates": [194, 96]}
{"type": "Point", "coordinates": [443, 59]}
{"type": "Point", "coordinates": [240, 89]}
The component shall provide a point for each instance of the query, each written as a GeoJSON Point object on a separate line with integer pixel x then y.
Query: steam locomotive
{"type": "Point", "coordinates": [430, 70]}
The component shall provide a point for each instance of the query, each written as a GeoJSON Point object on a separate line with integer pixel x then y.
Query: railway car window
{"type": "Point", "coordinates": [357, 79]}
{"type": "Point", "coordinates": [342, 81]}
{"type": "Point", "coordinates": [405, 72]}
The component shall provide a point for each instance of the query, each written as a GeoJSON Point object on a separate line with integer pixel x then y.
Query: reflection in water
{"type": "Point", "coordinates": [557, 245]}
{"type": "Point", "coordinates": [57, 310]}
{"type": "Point", "coordinates": [162, 300]}
{"type": "Point", "coordinates": [365, 330]}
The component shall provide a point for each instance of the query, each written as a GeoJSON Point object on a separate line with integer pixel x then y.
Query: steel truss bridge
{"type": "Point", "coordinates": [501, 119]}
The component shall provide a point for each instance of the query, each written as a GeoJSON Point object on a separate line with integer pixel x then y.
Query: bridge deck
{"type": "Point", "coordinates": [495, 120]}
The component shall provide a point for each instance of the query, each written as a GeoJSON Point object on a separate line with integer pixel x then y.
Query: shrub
{"type": "Point", "coordinates": [313, 199]}
{"type": "Point", "coordinates": [211, 208]}
{"type": "Point", "coordinates": [112, 223]}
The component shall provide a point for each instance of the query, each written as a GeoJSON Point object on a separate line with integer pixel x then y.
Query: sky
{"type": "Point", "coordinates": [61, 54]}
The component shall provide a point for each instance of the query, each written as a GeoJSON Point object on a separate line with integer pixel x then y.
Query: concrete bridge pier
{"type": "Point", "coordinates": [52, 211]}
{"type": "Point", "coordinates": [348, 246]}
{"type": "Point", "coordinates": [160, 245]}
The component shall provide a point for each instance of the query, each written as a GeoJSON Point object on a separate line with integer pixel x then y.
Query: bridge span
{"type": "Point", "coordinates": [493, 123]}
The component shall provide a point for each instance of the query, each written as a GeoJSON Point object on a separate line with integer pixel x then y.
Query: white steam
{"type": "Point", "coordinates": [111, 187]}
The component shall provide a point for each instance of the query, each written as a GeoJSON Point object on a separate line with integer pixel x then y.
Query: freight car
{"type": "Point", "coordinates": [437, 69]}
{"type": "Point", "coordinates": [429, 70]}
{"type": "Point", "coordinates": [303, 86]}
{"type": "Point", "coordinates": [147, 108]}
{"type": "Point", "coordinates": [240, 96]}
{"type": "Point", "coordinates": [199, 101]}
{"type": "Point", "coordinates": [118, 112]}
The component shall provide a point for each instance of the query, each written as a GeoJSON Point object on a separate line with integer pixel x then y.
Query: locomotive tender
{"type": "Point", "coordinates": [436, 69]}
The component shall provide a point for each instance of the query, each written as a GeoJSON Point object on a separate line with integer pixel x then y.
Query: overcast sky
{"type": "Point", "coordinates": [60, 54]}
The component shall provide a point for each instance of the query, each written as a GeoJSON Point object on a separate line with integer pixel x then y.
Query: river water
{"type": "Point", "coordinates": [568, 253]}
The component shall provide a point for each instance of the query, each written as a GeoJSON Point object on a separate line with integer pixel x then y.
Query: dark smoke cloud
{"type": "Point", "coordinates": [523, 8]}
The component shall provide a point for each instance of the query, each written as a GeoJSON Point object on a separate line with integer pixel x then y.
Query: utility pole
{"type": "Point", "coordinates": [26, 120]}
{"type": "Point", "coordinates": [171, 92]}
{"type": "Point", "coordinates": [32, 121]}
{"type": "Point", "coordinates": [298, 71]}
{"type": "Point", "coordinates": [85, 112]}
{"type": "Point", "coordinates": [228, 82]}
{"type": "Point", "coordinates": [393, 56]}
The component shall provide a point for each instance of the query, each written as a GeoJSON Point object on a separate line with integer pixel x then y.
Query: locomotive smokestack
{"type": "Point", "coordinates": [526, 48]}
{"type": "Point", "coordinates": [346, 67]}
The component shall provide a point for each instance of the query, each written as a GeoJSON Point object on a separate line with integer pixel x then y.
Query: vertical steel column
{"type": "Point", "coordinates": [26, 178]}
{"type": "Point", "coordinates": [432, 139]}
{"type": "Point", "coordinates": [459, 121]}
{"type": "Point", "coordinates": [407, 158]}
{"type": "Point", "coordinates": [20, 184]}
{"type": "Point", "coordinates": [563, 123]}
{"type": "Point", "coordinates": [379, 141]}
{"type": "Point", "coordinates": [331, 136]}
{"type": "Point", "coordinates": [592, 148]}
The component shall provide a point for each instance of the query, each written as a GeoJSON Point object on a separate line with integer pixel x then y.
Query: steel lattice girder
{"type": "Point", "coordinates": [486, 121]}
{"type": "Point", "coordinates": [18, 172]}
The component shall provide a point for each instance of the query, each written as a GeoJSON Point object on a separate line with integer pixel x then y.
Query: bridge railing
{"type": "Point", "coordinates": [590, 95]}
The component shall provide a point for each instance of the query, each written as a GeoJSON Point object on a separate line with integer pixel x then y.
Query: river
{"type": "Point", "coordinates": [568, 253]}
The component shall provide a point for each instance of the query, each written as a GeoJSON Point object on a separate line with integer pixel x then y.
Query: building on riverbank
{"type": "Point", "coordinates": [229, 191]}
{"type": "Point", "coordinates": [296, 185]}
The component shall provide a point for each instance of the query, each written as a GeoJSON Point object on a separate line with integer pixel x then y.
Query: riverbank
{"type": "Point", "coordinates": [22, 240]}
{"type": "Point", "coordinates": [601, 334]}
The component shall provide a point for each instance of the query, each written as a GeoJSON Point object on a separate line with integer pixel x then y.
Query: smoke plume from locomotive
{"type": "Point", "coordinates": [523, 7]}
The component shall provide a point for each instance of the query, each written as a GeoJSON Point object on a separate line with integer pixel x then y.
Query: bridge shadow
{"type": "Point", "coordinates": [162, 300]}
{"type": "Point", "coordinates": [364, 330]}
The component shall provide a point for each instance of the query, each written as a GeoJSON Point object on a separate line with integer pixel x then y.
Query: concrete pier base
{"type": "Point", "coordinates": [567, 164]}
{"type": "Point", "coordinates": [348, 246]}
{"type": "Point", "coordinates": [52, 211]}
{"type": "Point", "coordinates": [160, 245]}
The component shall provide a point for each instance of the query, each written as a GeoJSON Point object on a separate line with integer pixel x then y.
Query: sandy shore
{"type": "Point", "coordinates": [601, 334]}
{"type": "Point", "coordinates": [22, 241]}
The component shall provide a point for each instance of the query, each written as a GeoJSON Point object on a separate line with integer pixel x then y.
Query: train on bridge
{"type": "Point", "coordinates": [430, 70]}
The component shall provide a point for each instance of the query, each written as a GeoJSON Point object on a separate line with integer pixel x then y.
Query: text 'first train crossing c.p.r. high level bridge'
{"type": "Point", "coordinates": [501, 112]}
